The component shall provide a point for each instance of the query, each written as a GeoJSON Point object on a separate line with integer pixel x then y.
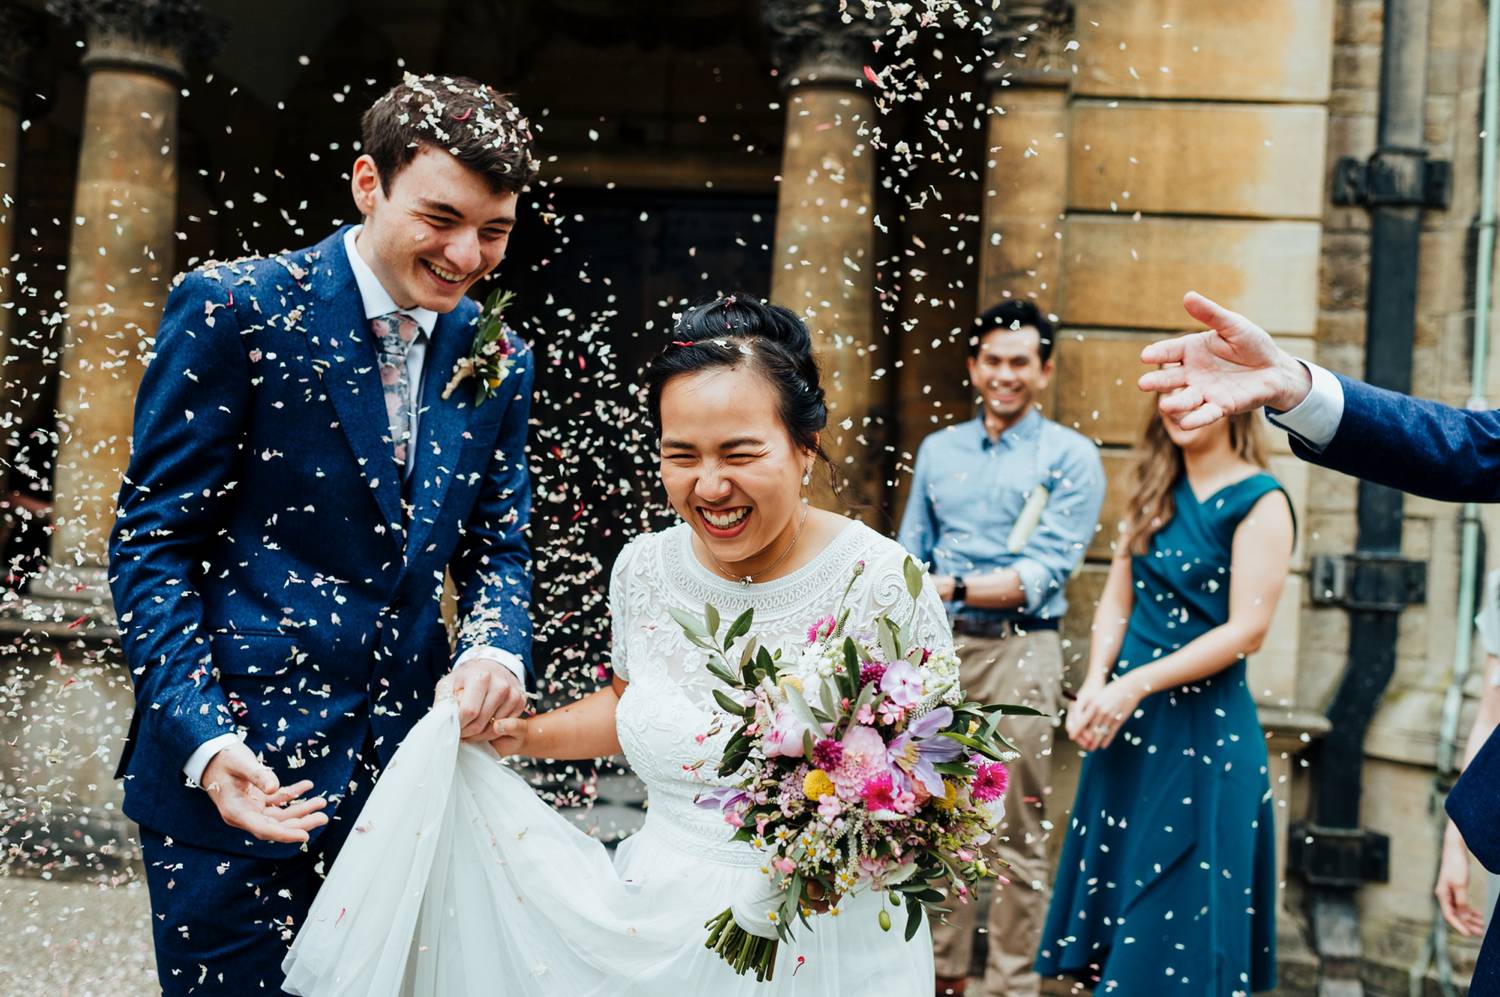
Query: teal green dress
{"type": "Point", "coordinates": [1167, 880]}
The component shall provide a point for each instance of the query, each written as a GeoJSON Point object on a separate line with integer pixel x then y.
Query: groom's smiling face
{"type": "Point", "coordinates": [434, 230]}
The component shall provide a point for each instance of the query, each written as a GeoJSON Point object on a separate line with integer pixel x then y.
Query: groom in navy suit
{"type": "Point", "coordinates": [316, 444]}
{"type": "Point", "coordinates": [1421, 447]}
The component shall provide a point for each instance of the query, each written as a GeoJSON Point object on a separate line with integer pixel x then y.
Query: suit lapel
{"type": "Point", "coordinates": [343, 351]}
{"type": "Point", "coordinates": [440, 425]}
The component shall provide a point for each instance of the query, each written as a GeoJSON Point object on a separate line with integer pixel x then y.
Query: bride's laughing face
{"type": "Point", "coordinates": [730, 467]}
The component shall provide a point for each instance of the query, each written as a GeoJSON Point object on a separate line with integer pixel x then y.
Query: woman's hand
{"type": "Point", "coordinates": [1101, 715]}
{"type": "Point", "coordinates": [1083, 704]}
{"type": "Point", "coordinates": [1453, 887]}
{"type": "Point", "coordinates": [817, 899]}
{"type": "Point", "coordinates": [510, 735]}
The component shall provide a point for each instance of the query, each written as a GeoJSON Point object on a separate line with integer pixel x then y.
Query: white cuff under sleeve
{"type": "Point", "coordinates": [199, 759]}
{"type": "Point", "coordinates": [1316, 418]}
{"type": "Point", "coordinates": [506, 658]}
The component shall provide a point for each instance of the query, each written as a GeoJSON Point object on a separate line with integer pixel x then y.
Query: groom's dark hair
{"type": "Point", "coordinates": [474, 122]}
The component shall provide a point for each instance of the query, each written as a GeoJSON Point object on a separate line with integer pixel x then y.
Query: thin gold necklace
{"type": "Point", "coordinates": [746, 580]}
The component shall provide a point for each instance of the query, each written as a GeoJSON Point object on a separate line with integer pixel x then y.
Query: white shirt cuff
{"type": "Point", "coordinates": [1315, 420]}
{"type": "Point", "coordinates": [506, 658]}
{"type": "Point", "coordinates": [199, 759]}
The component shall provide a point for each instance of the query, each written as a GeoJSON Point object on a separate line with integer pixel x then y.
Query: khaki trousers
{"type": "Point", "coordinates": [1025, 669]}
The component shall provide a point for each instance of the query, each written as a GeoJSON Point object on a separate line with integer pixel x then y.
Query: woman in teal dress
{"type": "Point", "coordinates": [1167, 881]}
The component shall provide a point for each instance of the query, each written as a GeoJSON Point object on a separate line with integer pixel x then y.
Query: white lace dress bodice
{"type": "Point", "coordinates": [461, 882]}
{"type": "Point", "coordinates": [667, 717]}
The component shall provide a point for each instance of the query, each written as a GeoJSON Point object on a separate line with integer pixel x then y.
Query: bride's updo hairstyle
{"type": "Point", "coordinates": [741, 330]}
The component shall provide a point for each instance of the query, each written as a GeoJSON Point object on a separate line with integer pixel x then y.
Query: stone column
{"type": "Point", "coordinates": [1026, 173]}
{"type": "Point", "coordinates": [824, 255]}
{"type": "Point", "coordinates": [19, 29]}
{"type": "Point", "coordinates": [119, 272]}
{"type": "Point", "coordinates": [69, 698]}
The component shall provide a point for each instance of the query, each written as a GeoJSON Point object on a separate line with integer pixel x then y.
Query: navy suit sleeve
{"type": "Point", "coordinates": [492, 566]}
{"type": "Point", "coordinates": [1418, 446]}
{"type": "Point", "coordinates": [188, 433]}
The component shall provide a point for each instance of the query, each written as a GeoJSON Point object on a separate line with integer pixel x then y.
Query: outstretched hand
{"type": "Point", "coordinates": [1234, 366]}
{"type": "Point", "coordinates": [250, 797]}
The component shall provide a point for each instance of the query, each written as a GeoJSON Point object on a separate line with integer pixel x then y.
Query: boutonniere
{"type": "Point", "coordinates": [490, 359]}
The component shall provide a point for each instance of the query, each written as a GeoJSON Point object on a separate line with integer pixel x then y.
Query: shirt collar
{"type": "Point", "coordinates": [1021, 432]}
{"type": "Point", "coordinates": [376, 298]}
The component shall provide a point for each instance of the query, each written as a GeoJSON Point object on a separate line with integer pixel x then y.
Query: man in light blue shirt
{"type": "Point", "coordinates": [1003, 507]}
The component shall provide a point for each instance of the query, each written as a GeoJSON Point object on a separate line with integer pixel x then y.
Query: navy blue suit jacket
{"type": "Point", "coordinates": [264, 574]}
{"type": "Point", "coordinates": [1452, 455]}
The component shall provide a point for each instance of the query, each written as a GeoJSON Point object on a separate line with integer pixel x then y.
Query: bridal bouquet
{"type": "Point", "coordinates": [856, 764]}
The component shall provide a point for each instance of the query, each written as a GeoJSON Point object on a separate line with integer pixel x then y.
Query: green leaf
{"type": "Point", "coordinates": [799, 707]}
{"type": "Point", "coordinates": [739, 627]}
{"type": "Point", "coordinates": [913, 917]}
{"type": "Point", "coordinates": [825, 695]}
{"type": "Point", "coordinates": [851, 661]}
{"type": "Point", "coordinates": [730, 706]}
{"type": "Point", "coordinates": [913, 572]}
{"type": "Point", "coordinates": [890, 638]}
{"type": "Point", "coordinates": [956, 769]}
{"type": "Point", "coordinates": [747, 653]}
{"type": "Point", "coordinates": [1012, 710]}
{"type": "Point", "coordinates": [972, 744]}
{"type": "Point", "coordinates": [711, 620]}
{"type": "Point", "coordinates": [690, 624]}
{"type": "Point", "coordinates": [807, 743]}
{"type": "Point", "coordinates": [724, 675]}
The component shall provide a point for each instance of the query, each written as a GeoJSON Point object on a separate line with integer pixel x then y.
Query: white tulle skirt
{"type": "Point", "coordinates": [459, 881]}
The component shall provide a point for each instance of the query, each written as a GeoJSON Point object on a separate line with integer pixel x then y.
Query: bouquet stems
{"type": "Point", "coordinates": [741, 949]}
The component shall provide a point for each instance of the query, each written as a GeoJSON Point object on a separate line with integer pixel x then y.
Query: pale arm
{"type": "Point", "coordinates": [1259, 558]}
{"type": "Point", "coordinates": [584, 728]}
{"type": "Point", "coordinates": [1453, 872]}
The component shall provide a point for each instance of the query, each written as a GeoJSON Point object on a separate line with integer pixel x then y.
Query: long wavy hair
{"type": "Point", "coordinates": [1160, 466]}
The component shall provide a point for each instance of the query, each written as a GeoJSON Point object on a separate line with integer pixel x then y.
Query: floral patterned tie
{"type": "Point", "coordinates": [395, 333]}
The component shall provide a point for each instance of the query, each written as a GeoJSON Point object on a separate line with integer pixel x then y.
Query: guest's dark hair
{"type": "Point", "coordinates": [464, 117]}
{"type": "Point", "coordinates": [741, 330]}
{"type": "Point", "coordinates": [1013, 314]}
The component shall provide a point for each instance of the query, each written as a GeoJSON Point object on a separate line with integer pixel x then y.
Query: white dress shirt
{"type": "Point", "coordinates": [1316, 418]}
{"type": "Point", "coordinates": [377, 301]}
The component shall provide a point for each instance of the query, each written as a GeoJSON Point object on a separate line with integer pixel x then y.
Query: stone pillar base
{"type": "Point", "coordinates": [65, 707]}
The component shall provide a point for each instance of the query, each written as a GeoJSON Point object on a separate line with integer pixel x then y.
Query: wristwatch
{"type": "Point", "coordinates": [960, 589]}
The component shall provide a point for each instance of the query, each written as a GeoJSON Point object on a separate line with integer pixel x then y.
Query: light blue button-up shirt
{"type": "Point", "coordinates": [968, 490]}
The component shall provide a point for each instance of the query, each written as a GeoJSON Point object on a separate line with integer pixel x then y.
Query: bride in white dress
{"type": "Point", "coordinates": [458, 880]}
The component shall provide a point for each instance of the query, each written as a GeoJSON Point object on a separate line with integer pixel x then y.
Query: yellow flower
{"type": "Point", "coordinates": [817, 785]}
{"type": "Point", "coordinates": [950, 796]}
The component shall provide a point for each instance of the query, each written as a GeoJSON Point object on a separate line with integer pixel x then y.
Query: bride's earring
{"type": "Point", "coordinates": [806, 482]}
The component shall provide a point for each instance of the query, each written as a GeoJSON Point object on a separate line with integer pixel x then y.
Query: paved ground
{"type": "Point", "coordinates": [75, 939]}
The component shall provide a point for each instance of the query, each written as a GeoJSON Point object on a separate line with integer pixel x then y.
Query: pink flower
{"type": "Point", "coordinates": [902, 683]}
{"type": "Point", "coordinates": [864, 758]}
{"type": "Point", "coordinates": [822, 627]}
{"type": "Point", "coordinates": [784, 865]}
{"type": "Point", "coordinates": [828, 754]}
{"type": "Point", "coordinates": [784, 738]}
{"type": "Point", "coordinates": [890, 714]}
{"type": "Point", "coordinates": [989, 782]}
{"type": "Point", "coordinates": [870, 673]}
{"type": "Point", "coordinates": [830, 806]}
{"type": "Point", "coordinates": [878, 793]}
{"type": "Point", "coordinates": [881, 794]}
{"type": "Point", "coordinates": [865, 715]}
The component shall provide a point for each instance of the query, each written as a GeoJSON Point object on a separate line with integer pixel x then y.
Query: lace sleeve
{"type": "Point", "coordinates": [619, 576]}
{"type": "Point", "coordinates": [886, 593]}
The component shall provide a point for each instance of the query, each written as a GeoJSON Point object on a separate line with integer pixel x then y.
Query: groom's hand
{"type": "Point", "coordinates": [251, 798]}
{"type": "Point", "coordinates": [1235, 366]}
{"type": "Point", "coordinates": [487, 692]}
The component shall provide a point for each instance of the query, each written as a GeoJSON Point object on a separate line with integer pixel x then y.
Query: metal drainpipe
{"type": "Point", "coordinates": [1436, 949]}
{"type": "Point", "coordinates": [1394, 186]}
